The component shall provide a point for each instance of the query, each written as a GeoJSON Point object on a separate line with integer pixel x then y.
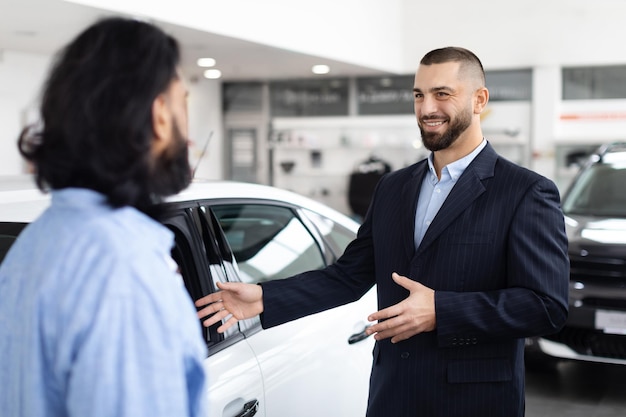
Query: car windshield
{"type": "Point", "coordinates": [599, 191]}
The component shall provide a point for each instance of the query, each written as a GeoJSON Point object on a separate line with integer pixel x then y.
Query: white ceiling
{"type": "Point", "coordinates": [44, 26]}
{"type": "Point", "coordinates": [527, 33]}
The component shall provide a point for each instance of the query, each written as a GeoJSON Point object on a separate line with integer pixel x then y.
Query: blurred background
{"type": "Point", "coordinates": [301, 94]}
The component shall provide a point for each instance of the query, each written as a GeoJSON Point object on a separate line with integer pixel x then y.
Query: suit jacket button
{"type": "Point", "coordinates": [404, 355]}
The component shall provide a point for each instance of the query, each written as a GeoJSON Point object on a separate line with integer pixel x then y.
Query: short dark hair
{"type": "Point", "coordinates": [96, 111]}
{"type": "Point", "coordinates": [467, 58]}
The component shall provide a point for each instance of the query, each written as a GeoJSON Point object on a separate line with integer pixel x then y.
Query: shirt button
{"type": "Point", "coordinates": [404, 355]}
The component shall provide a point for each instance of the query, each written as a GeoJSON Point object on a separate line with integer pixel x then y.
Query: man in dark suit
{"type": "Point", "coordinates": [469, 255]}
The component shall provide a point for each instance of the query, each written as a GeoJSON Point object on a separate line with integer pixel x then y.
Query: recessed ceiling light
{"type": "Point", "coordinates": [320, 69]}
{"type": "Point", "coordinates": [206, 62]}
{"type": "Point", "coordinates": [212, 74]}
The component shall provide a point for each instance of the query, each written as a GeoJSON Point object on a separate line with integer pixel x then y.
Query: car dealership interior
{"type": "Point", "coordinates": [307, 96]}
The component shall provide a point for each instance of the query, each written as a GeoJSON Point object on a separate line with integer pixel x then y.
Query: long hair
{"type": "Point", "coordinates": [96, 111]}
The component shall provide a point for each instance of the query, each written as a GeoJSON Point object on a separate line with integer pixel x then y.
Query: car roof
{"type": "Point", "coordinates": [610, 153]}
{"type": "Point", "coordinates": [22, 201]}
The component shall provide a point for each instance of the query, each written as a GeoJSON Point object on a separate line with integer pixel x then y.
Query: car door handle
{"type": "Point", "coordinates": [249, 409]}
{"type": "Point", "coordinates": [357, 337]}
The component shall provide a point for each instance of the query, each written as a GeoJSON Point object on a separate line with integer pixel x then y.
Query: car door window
{"type": "Point", "coordinates": [335, 236]}
{"type": "Point", "coordinates": [199, 262]}
{"type": "Point", "coordinates": [268, 242]}
{"type": "Point", "coordinates": [8, 234]}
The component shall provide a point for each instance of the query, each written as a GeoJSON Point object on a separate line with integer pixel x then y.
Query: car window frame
{"type": "Point", "coordinates": [253, 325]}
{"type": "Point", "coordinates": [184, 216]}
{"type": "Point", "coordinates": [11, 230]}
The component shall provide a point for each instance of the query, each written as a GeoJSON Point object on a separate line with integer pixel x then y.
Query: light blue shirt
{"type": "Point", "coordinates": [434, 191]}
{"type": "Point", "coordinates": [94, 320]}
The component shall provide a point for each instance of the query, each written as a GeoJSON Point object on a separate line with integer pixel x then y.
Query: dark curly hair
{"type": "Point", "coordinates": [96, 110]}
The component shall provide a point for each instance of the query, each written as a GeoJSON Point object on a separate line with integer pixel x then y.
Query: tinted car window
{"type": "Point", "coordinates": [8, 234]}
{"type": "Point", "coordinates": [599, 191]}
{"type": "Point", "coordinates": [201, 259]}
{"type": "Point", "coordinates": [335, 236]}
{"type": "Point", "coordinates": [268, 242]}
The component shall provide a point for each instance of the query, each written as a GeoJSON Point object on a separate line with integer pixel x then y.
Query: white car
{"type": "Point", "coordinates": [225, 231]}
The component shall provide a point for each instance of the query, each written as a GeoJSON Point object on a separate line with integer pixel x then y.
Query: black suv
{"type": "Point", "coordinates": [595, 218]}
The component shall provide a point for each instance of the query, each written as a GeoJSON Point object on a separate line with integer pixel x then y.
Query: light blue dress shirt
{"type": "Point", "coordinates": [434, 191]}
{"type": "Point", "coordinates": [94, 320]}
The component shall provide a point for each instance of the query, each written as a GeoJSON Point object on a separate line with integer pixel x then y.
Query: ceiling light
{"type": "Point", "coordinates": [206, 62]}
{"type": "Point", "coordinates": [320, 69]}
{"type": "Point", "coordinates": [212, 74]}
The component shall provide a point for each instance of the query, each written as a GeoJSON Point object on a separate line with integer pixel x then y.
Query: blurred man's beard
{"type": "Point", "coordinates": [437, 142]}
{"type": "Point", "coordinates": [172, 172]}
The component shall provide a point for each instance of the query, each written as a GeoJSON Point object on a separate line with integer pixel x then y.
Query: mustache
{"type": "Point", "coordinates": [434, 117]}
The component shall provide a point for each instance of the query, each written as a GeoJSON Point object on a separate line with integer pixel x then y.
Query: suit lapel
{"type": "Point", "coordinates": [467, 189]}
{"type": "Point", "coordinates": [410, 194]}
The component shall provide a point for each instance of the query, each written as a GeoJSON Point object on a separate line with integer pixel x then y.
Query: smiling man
{"type": "Point", "coordinates": [469, 255]}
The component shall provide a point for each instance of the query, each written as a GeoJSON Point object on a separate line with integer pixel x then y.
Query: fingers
{"type": "Point", "coordinates": [215, 318]}
{"type": "Point", "coordinates": [215, 296]}
{"type": "Point", "coordinates": [385, 326]}
{"type": "Point", "coordinates": [228, 324]}
{"type": "Point", "coordinates": [208, 299]}
{"type": "Point", "coordinates": [219, 315]}
{"type": "Point", "coordinates": [385, 313]}
{"type": "Point", "coordinates": [397, 333]}
{"type": "Point", "coordinates": [214, 307]}
{"type": "Point", "coordinates": [397, 328]}
{"type": "Point", "coordinates": [403, 281]}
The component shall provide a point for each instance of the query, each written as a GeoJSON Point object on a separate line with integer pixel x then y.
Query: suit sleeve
{"type": "Point", "coordinates": [534, 301]}
{"type": "Point", "coordinates": [311, 292]}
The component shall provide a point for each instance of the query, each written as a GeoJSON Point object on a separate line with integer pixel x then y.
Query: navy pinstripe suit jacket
{"type": "Point", "coordinates": [496, 256]}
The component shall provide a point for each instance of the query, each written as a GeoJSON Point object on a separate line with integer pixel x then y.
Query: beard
{"type": "Point", "coordinates": [171, 171]}
{"type": "Point", "coordinates": [438, 141]}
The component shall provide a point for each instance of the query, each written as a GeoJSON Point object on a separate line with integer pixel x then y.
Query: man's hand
{"type": "Point", "coordinates": [415, 314]}
{"type": "Point", "coordinates": [237, 300]}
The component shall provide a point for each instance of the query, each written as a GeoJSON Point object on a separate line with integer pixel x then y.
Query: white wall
{"type": "Point", "coordinates": [519, 34]}
{"type": "Point", "coordinates": [21, 77]}
{"type": "Point", "coordinates": [205, 116]}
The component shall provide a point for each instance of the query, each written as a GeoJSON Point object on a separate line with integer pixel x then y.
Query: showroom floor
{"type": "Point", "coordinates": [577, 389]}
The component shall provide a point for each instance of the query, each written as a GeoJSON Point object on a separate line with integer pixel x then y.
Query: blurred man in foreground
{"type": "Point", "coordinates": [94, 318]}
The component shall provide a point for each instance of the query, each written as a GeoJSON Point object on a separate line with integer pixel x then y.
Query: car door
{"type": "Point", "coordinates": [235, 384]}
{"type": "Point", "coordinates": [318, 365]}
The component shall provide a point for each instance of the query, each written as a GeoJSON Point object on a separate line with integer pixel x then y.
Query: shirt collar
{"type": "Point", "coordinates": [96, 204]}
{"type": "Point", "coordinates": [81, 197]}
{"type": "Point", "coordinates": [456, 168]}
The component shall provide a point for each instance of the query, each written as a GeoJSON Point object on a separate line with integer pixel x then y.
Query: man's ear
{"type": "Point", "coordinates": [161, 124]}
{"type": "Point", "coordinates": [481, 98]}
